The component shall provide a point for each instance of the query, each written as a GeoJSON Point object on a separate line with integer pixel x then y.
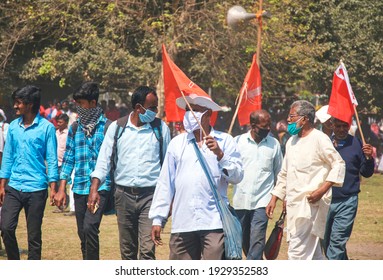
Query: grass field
{"type": "Point", "coordinates": [60, 240]}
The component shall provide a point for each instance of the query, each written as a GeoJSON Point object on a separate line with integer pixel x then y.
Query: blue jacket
{"type": "Point", "coordinates": [356, 164]}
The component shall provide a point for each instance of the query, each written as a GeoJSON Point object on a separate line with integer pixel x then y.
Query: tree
{"type": "Point", "coordinates": [118, 43]}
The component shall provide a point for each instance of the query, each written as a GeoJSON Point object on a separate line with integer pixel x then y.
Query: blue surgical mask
{"type": "Point", "coordinates": [148, 117]}
{"type": "Point", "coordinates": [293, 129]}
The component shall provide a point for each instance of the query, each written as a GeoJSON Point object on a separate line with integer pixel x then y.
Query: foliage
{"type": "Point", "coordinates": [118, 44]}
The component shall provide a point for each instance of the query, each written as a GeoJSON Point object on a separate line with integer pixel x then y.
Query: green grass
{"type": "Point", "coordinates": [60, 240]}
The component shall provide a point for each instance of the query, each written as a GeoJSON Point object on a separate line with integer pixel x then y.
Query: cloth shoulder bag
{"type": "Point", "coordinates": [232, 228]}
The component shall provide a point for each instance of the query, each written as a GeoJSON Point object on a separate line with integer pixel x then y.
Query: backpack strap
{"type": "Point", "coordinates": [157, 129]}
{"type": "Point", "coordinates": [121, 125]}
{"type": "Point", "coordinates": [107, 124]}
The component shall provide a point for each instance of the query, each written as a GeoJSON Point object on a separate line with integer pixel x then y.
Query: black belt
{"type": "Point", "coordinates": [135, 190]}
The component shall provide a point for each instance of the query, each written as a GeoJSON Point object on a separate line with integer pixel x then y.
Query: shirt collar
{"type": "Point", "coordinates": [63, 131]}
{"type": "Point", "coordinates": [213, 133]}
{"type": "Point", "coordinates": [36, 120]}
{"type": "Point", "coordinates": [251, 139]}
{"type": "Point", "coordinates": [130, 124]}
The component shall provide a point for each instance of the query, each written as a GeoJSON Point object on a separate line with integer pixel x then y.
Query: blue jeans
{"type": "Point", "coordinates": [254, 226]}
{"type": "Point", "coordinates": [340, 220]}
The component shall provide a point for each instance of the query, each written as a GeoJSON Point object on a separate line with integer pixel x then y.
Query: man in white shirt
{"type": "Point", "coordinates": [310, 168]}
{"type": "Point", "coordinates": [1, 147]}
{"type": "Point", "coordinates": [61, 135]}
{"type": "Point", "coordinates": [183, 186]}
{"type": "Point", "coordinates": [262, 160]}
{"type": "Point", "coordinates": [136, 173]}
{"type": "Point", "coordinates": [3, 124]}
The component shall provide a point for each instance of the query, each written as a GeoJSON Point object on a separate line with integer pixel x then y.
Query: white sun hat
{"type": "Point", "coordinates": [322, 114]}
{"type": "Point", "coordinates": [195, 99]}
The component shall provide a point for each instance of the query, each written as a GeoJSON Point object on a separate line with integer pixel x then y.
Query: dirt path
{"type": "Point", "coordinates": [368, 251]}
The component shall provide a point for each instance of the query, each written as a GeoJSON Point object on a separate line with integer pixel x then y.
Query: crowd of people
{"type": "Point", "coordinates": [130, 164]}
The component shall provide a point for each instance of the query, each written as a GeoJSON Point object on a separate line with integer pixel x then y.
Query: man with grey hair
{"type": "Point", "coordinates": [310, 168]}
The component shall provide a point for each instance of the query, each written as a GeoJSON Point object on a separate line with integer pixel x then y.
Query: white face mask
{"type": "Point", "coordinates": [190, 122]}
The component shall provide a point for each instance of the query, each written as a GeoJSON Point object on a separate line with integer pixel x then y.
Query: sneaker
{"type": "Point", "coordinates": [57, 211]}
{"type": "Point", "coordinates": [70, 213]}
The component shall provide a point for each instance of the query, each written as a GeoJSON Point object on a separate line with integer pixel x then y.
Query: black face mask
{"type": "Point", "coordinates": [262, 133]}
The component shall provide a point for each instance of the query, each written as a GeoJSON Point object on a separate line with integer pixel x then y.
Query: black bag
{"type": "Point", "coordinates": [273, 244]}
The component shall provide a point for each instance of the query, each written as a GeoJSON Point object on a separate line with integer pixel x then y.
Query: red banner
{"type": "Point", "coordinates": [342, 99]}
{"type": "Point", "coordinates": [251, 94]}
{"type": "Point", "coordinates": [176, 81]}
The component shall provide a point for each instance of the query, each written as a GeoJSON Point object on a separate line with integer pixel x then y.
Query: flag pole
{"type": "Point", "coordinates": [259, 29]}
{"type": "Point", "coordinates": [236, 110]}
{"type": "Point", "coordinates": [358, 123]}
{"type": "Point", "coordinates": [191, 110]}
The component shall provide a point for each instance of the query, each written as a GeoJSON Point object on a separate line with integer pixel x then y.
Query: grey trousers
{"type": "Point", "coordinates": [134, 225]}
{"type": "Point", "coordinates": [197, 245]}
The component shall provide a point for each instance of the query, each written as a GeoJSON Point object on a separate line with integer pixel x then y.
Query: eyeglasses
{"type": "Point", "coordinates": [293, 116]}
{"type": "Point", "coordinates": [153, 108]}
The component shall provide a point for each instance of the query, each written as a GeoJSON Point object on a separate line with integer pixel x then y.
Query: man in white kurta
{"type": "Point", "coordinates": [310, 167]}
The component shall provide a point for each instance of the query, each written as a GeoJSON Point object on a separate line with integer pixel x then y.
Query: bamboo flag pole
{"type": "Point", "coordinates": [259, 29]}
{"type": "Point", "coordinates": [259, 37]}
{"type": "Point", "coordinates": [358, 123]}
{"type": "Point", "coordinates": [236, 109]}
{"type": "Point", "coordinates": [360, 128]}
{"type": "Point", "coordinates": [191, 110]}
{"type": "Point", "coordinates": [354, 106]}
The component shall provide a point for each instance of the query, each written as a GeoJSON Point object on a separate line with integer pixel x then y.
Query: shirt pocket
{"type": "Point", "coordinates": [266, 163]}
{"type": "Point", "coordinates": [212, 162]}
{"type": "Point", "coordinates": [149, 151]}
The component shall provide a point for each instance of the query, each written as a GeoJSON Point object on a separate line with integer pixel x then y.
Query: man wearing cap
{"type": "Point", "coordinates": [325, 120]}
{"type": "Point", "coordinates": [182, 186]}
{"type": "Point", "coordinates": [344, 202]}
{"type": "Point", "coordinates": [136, 173]}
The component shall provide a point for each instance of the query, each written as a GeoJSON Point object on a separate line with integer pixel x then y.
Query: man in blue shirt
{"type": "Point", "coordinates": [31, 147]}
{"type": "Point", "coordinates": [137, 170]}
{"type": "Point", "coordinates": [344, 203]}
{"type": "Point", "coordinates": [262, 160]}
{"type": "Point", "coordinates": [82, 148]}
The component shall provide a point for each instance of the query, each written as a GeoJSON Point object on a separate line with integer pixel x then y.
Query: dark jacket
{"type": "Point", "coordinates": [356, 164]}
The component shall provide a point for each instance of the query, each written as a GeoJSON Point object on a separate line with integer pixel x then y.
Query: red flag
{"type": "Point", "coordinates": [176, 81]}
{"type": "Point", "coordinates": [251, 94]}
{"type": "Point", "coordinates": [342, 99]}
